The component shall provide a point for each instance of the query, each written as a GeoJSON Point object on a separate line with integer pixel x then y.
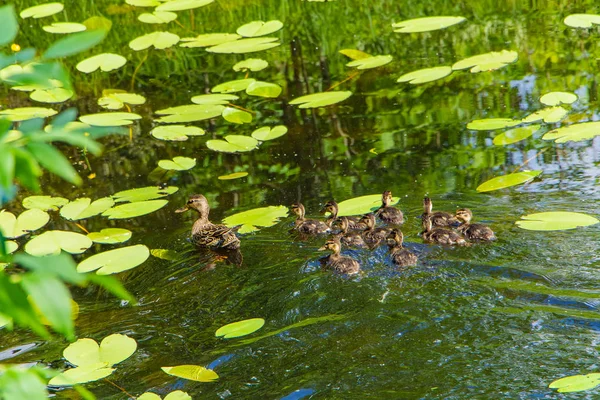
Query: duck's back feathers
{"type": "Point", "coordinates": [390, 215]}
{"type": "Point", "coordinates": [403, 257]}
{"type": "Point", "coordinates": [215, 236]}
{"type": "Point", "coordinates": [442, 219]}
{"type": "Point", "coordinates": [312, 227]}
{"type": "Point", "coordinates": [444, 236]}
{"type": "Point", "coordinates": [477, 232]}
{"type": "Point", "coordinates": [342, 264]}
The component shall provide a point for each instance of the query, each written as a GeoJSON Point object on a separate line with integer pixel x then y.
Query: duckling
{"type": "Point", "coordinates": [204, 232]}
{"type": "Point", "coordinates": [337, 262]}
{"type": "Point", "coordinates": [307, 226]}
{"type": "Point", "coordinates": [440, 235]}
{"type": "Point", "coordinates": [387, 213]}
{"type": "Point", "coordinates": [352, 239]}
{"type": "Point", "coordinates": [439, 218]}
{"type": "Point", "coordinates": [473, 231]}
{"type": "Point", "coordinates": [373, 236]}
{"type": "Point", "coordinates": [332, 208]}
{"type": "Point", "coordinates": [401, 256]}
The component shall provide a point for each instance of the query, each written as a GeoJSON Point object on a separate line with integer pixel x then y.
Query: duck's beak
{"type": "Point", "coordinates": [182, 209]}
{"type": "Point", "coordinates": [323, 210]}
{"type": "Point", "coordinates": [322, 248]}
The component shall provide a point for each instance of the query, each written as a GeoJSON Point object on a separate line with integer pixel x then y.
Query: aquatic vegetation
{"type": "Point", "coordinates": [251, 220]}
{"type": "Point", "coordinates": [240, 328]}
{"type": "Point", "coordinates": [425, 75]}
{"type": "Point", "coordinates": [53, 242]}
{"type": "Point", "coordinates": [321, 99]}
{"type": "Point", "coordinates": [555, 221]}
{"type": "Point", "coordinates": [192, 373]}
{"type": "Point", "coordinates": [576, 383]}
{"type": "Point", "coordinates": [426, 24]}
{"type": "Point", "coordinates": [501, 182]}
{"type": "Point", "coordinates": [115, 261]}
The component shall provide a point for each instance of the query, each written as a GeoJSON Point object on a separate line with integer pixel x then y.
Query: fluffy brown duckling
{"type": "Point", "coordinates": [387, 213]}
{"type": "Point", "coordinates": [439, 218]}
{"type": "Point", "coordinates": [441, 235]}
{"type": "Point", "coordinates": [204, 232]}
{"type": "Point", "coordinates": [373, 236]}
{"type": "Point", "coordinates": [350, 239]}
{"type": "Point", "coordinates": [473, 231]}
{"type": "Point", "coordinates": [307, 226]}
{"type": "Point", "coordinates": [332, 208]}
{"type": "Point", "coordinates": [401, 256]}
{"type": "Point", "coordinates": [337, 262]}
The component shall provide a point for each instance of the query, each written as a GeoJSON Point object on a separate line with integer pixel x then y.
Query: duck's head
{"type": "Point", "coordinates": [298, 210]}
{"type": "Point", "coordinates": [395, 237]}
{"type": "Point", "coordinates": [386, 198]}
{"type": "Point", "coordinates": [427, 205]}
{"type": "Point", "coordinates": [343, 223]}
{"type": "Point", "coordinates": [368, 220]}
{"type": "Point", "coordinates": [196, 202]}
{"type": "Point", "coordinates": [330, 207]}
{"type": "Point", "coordinates": [333, 245]}
{"type": "Point", "coordinates": [464, 215]}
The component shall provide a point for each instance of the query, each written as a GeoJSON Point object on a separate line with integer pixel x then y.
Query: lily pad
{"type": "Point", "coordinates": [84, 208]}
{"type": "Point", "coordinates": [164, 254]}
{"type": "Point", "coordinates": [240, 328]}
{"type": "Point", "coordinates": [264, 89]}
{"type": "Point", "coordinates": [576, 383]}
{"type": "Point", "coordinates": [115, 261]}
{"type": "Point", "coordinates": [42, 10]}
{"type": "Point", "coordinates": [214, 99]}
{"type": "Point", "coordinates": [136, 209]}
{"type": "Point", "coordinates": [192, 372]}
{"type": "Point", "coordinates": [178, 164]}
{"type": "Point", "coordinates": [555, 221]}
{"type": "Point", "coordinates": [259, 28]}
{"type": "Point", "coordinates": [209, 39]}
{"type": "Point", "coordinates": [45, 203]}
{"type": "Point", "coordinates": [501, 182]}
{"type": "Point", "coordinates": [176, 132]}
{"type": "Point", "coordinates": [174, 395]}
{"type": "Point", "coordinates": [267, 133]}
{"type": "Point", "coordinates": [488, 61]}
{"type": "Point", "coordinates": [549, 115]}
{"type": "Point", "coordinates": [25, 113]}
{"type": "Point", "coordinates": [235, 175]}
{"type": "Point", "coordinates": [355, 54]}
{"type": "Point", "coordinates": [361, 205]}
{"type": "Point", "coordinates": [426, 24]}
{"type": "Point", "coordinates": [190, 113]}
{"type": "Point", "coordinates": [251, 220]}
{"type": "Point", "coordinates": [574, 133]}
{"type": "Point", "coordinates": [105, 61]}
{"type": "Point", "coordinates": [143, 3]}
{"type": "Point", "coordinates": [490, 124]}
{"type": "Point", "coordinates": [558, 98]}
{"type": "Point", "coordinates": [251, 64]}
{"type": "Point", "coordinates": [52, 242]}
{"type": "Point", "coordinates": [425, 75]}
{"type": "Point", "coordinates": [64, 27]}
{"type": "Point", "coordinates": [116, 100]}
{"type": "Point", "coordinates": [245, 45]}
{"type": "Point", "coordinates": [321, 99]}
{"type": "Point", "coordinates": [110, 236]}
{"type": "Point", "coordinates": [515, 135]}
{"type": "Point", "coordinates": [157, 17]}
{"type": "Point", "coordinates": [110, 118]}
{"type": "Point", "coordinates": [582, 20]}
{"type": "Point", "coordinates": [233, 86]}
{"type": "Point", "coordinates": [86, 373]}
{"type": "Point", "coordinates": [233, 144]}
{"type": "Point", "coordinates": [55, 95]}
{"type": "Point", "coordinates": [236, 115]}
{"type": "Point", "coordinates": [28, 221]}
{"type": "Point", "coordinates": [160, 40]}
{"type": "Point", "coordinates": [370, 62]}
{"type": "Point", "coordinates": [145, 193]}
{"type": "Point", "coordinates": [180, 5]}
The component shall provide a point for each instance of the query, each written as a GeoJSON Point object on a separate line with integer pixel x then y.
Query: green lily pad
{"type": "Point", "coordinates": [501, 182]}
{"type": "Point", "coordinates": [105, 61]}
{"type": "Point", "coordinates": [176, 132]}
{"type": "Point", "coordinates": [558, 98]}
{"type": "Point", "coordinates": [214, 99]}
{"type": "Point", "coordinates": [426, 24]}
{"type": "Point", "coordinates": [10, 246]}
{"type": "Point", "coordinates": [549, 115]}
{"type": "Point", "coordinates": [115, 261]}
{"type": "Point", "coordinates": [259, 28]}
{"type": "Point", "coordinates": [370, 62]}
{"type": "Point", "coordinates": [145, 193]}
{"type": "Point", "coordinates": [87, 373]}
{"type": "Point", "coordinates": [45, 203]}
{"type": "Point", "coordinates": [209, 39]}
{"type": "Point", "coordinates": [251, 64]}
{"type": "Point", "coordinates": [143, 3]}
{"type": "Point", "coordinates": [321, 99]}
{"type": "Point", "coordinates": [555, 221]}
{"type": "Point", "coordinates": [236, 115]}
{"type": "Point", "coordinates": [251, 220]}
{"type": "Point", "coordinates": [355, 54]}
{"type": "Point", "coordinates": [64, 27]}
{"type": "Point", "coordinates": [178, 163]}
{"type": "Point", "coordinates": [157, 17]}
{"type": "Point", "coordinates": [361, 205]}
{"type": "Point", "coordinates": [425, 75]}
{"type": "Point", "coordinates": [42, 10]}
{"type": "Point", "coordinates": [245, 45]}
{"type": "Point", "coordinates": [574, 133]}
{"type": "Point", "coordinates": [28, 221]}
{"type": "Point", "coordinates": [117, 100]}
{"type": "Point", "coordinates": [582, 20]}
{"type": "Point", "coordinates": [110, 118]}
{"type": "Point", "coordinates": [240, 328]}
{"type": "Point", "coordinates": [235, 175]}
{"type": "Point", "coordinates": [490, 124]}
{"type": "Point", "coordinates": [192, 373]}
{"type": "Point", "coordinates": [264, 89]}
{"type": "Point", "coordinates": [164, 254]}
{"type": "Point", "coordinates": [233, 144]}
{"type": "Point", "coordinates": [55, 95]}
{"type": "Point", "coordinates": [52, 242]}
{"type": "Point", "coordinates": [233, 86]}
{"type": "Point", "coordinates": [110, 236]}
{"type": "Point", "coordinates": [267, 133]}
{"type": "Point", "coordinates": [84, 208]}
{"type": "Point", "coordinates": [488, 61]}
{"type": "Point", "coordinates": [174, 395]}
{"type": "Point", "coordinates": [136, 209]}
{"type": "Point", "coordinates": [160, 40]}
{"type": "Point", "coordinates": [180, 5]}
{"type": "Point", "coordinates": [190, 113]}
{"type": "Point", "coordinates": [25, 113]}
{"type": "Point", "coordinates": [576, 383]}
{"type": "Point", "coordinates": [515, 135]}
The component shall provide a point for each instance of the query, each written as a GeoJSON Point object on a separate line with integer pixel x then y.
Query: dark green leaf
{"type": "Point", "coordinates": [75, 43]}
{"type": "Point", "coordinates": [14, 303]}
{"type": "Point", "coordinates": [61, 266]}
{"type": "Point", "coordinates": [64, 117]}
{"type": "Point", "coordinates": [9, 26]}
{"type": "Point", "coordinates": [73, 138]}
{"type": "Point", "coordinates": [27, 170]}
{"type": "Point", "coordinates": [40, 74]}
{"type": "Point", "coordinates": [54, 161]}
{"type": "Point", "coordinates": [7, 166]}
{"type": "Point", "coordinates": [84, 393]}
{"type": "Point", "coordinates": [22, 384]}
{"type": "Point", "coordinates": [113, 285]}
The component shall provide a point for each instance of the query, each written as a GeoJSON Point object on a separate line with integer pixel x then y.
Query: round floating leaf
{"type": "Point", "coordinates": [42, 10]}
{"type": "Point", "coordinates": [426, 24]}
{"type": "Point", "coordinates": [233, 86]}
{"type": "Point", "coordinates": [192, 372]}
{"type": "Point", "coordinates": [488, 61]}
{"type": "Point", "coordinates": [236, 115]}
{"type": "Point", "coordinates": [51, 243]}
{"type": "Point", "coordinates": [370, 62]}
{"type": "Point", "coordinates": [180, 5]}
{"type": "Point", "coordinates": [110, 236]}
{"type": "Point", "coordinates": [321, 99]}
{"type": "Point", "coordinates": [110, 118]}
{"type": "Point", "coordinates": [143, 3]}
{"type": "Point", "coordinates": [235, 175]}
{"type": "Point", "coordinates": [575, 132]}
{"type": "Point", "coordinates": [251, 64]}
{"type": "Point", "coordinates": [214, 98]}
{"type": "Point", "coordinates": [84, 208]}
{"type": "Point", "coordinates": [88, 373]}
{"type": "Point", "coordinates": [83, 352]}
{"type": "Point", "coordinates": [11, 246]}
{"type": "Point", "coordinates": [558, 98]}
{"type": "Point", "coordinates": [501, 182]}
{"type": "Point", "coordinates": [190, 113]}
{"type": "Point", "coordinates": [25, 113]}
{"type": "Point", "coordinates": [233, 144]}
{"type": "Point", "coordinates": [425, 75]}
{"type": "Point", "coordinates": [145, 193]}
{"type": "Point", "coordinates": [160, 40]}
{"type": "Point", "coordinates": [259, 28]}
{"type": "Point", "coordinates": [267, 133]}
{"type": "Point", "coordinates": [164, 254]}
{"type": "Point", "coordinates": [149, 396]}
{"type": "Point", "coordinates": [490, 124]}
{"type": "Point", "coordinates": [174, 395]}
{"type": "Point", "coordinates": [264, 89]}
{"type": "Point", "coordinates": [178, 163]}
{"type": "Point", "coordinates": [209, 39]}
{"type": "Point", "coordinates": [240, 328]}
{"type": "Point", "coordinates": [361, 205]}
{"type": "Point", "coordinates": [56, 95]}
{"type": "Point", "coordinates": [555, 221]}
{"type": "Point", "coordinates": [355, 54]}
{"type": "Point", "coordinates": [582, 20]}
{"type": "Point", "coordinates": [576, 383]}
{"type": "Point", "coordinates": [115, 101]}
{"type": "Point", "coordinates": [45, 203]}
{"type": "Point", "coordinates": [97, 22]}
{"type": "Point", "coordinates": [105, 61]}
{"type": "Point", "coordinates": [515, 135]}
{"type": "Point", "coordinates": [251, 220]}
{"type": "Point", "coordinates": [158, 17]}
{"type": "Point", "coordinates": [245, 45]}
{"type": "Point", "coordinates": [549, 115]}
{"type": "Point", "coordinates": [115, 261]}
{"type": "Point", "coordinates": [136, 209]}
{"type": "Point", "coordinates": [64, 27]}
{"type": "Point", "coordinates": [28, 221]}
{"type": "Point", "coordinates": [116, 348]}
{"type": "Point", "coordinates": [176, 132]}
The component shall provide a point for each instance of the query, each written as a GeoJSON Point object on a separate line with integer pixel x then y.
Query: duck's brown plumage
{"type": "Point", "coordinates": [333, 209]}
{"type": "Point", "coordinates": [350, 239]}
{"type": "Point", "coordinates": [373, 236]}
{"type": "Point", "coordinates": [441, 235]}
{"type": "Point", "coordinates": [401, 256]}
{"type": "Point", "coordinates": [439, 218]}
{"type": "Point", "coordinates": [387, 213]}
{"type": "Point", "coordinates": [473, 231]}
{"type": "Point", "coordinates": [307, 226]}
{"type": "Point", "coordinates": [337, 262]}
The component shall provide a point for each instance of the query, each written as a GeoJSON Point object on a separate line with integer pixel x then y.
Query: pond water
{"type": "Point", "coordinates": [498, 320]}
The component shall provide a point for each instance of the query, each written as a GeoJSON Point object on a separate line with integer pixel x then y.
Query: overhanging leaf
{"type": "Point", "coordinates": [74, 43]}
{"type": "Point", "coordinates": [9, 27]}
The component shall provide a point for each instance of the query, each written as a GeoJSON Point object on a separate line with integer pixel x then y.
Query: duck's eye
{"type": "Point", "coordinates": [190, 201]}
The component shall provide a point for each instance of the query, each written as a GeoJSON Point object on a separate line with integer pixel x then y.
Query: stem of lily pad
{"type": "Point", "coordinates": [137, 69]}
{"type": "Point", "coordinates": [529, 159]}
{"type": "Point", "coordinates": [345, 80]}
{"type": "Point", "coordinates": [120, 388]}
{"type": "Point", "coordinates": [241, 108]}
